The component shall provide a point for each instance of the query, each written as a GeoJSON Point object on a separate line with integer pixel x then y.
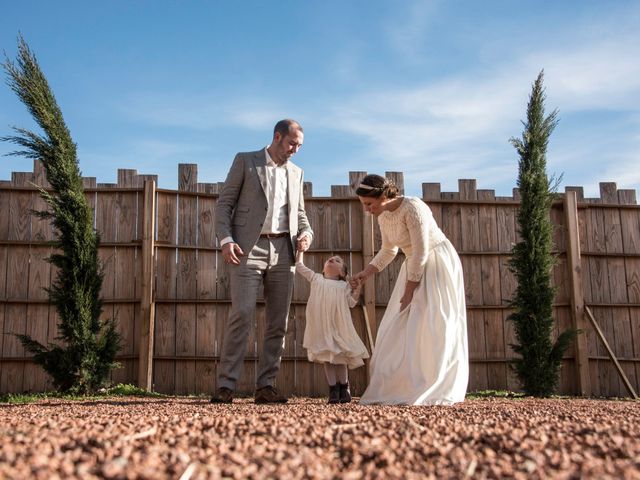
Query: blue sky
{"type": "Point", "coordinates": [431, 88]}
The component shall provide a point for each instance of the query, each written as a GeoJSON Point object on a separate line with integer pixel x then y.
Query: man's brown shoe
{"type": "Point", "coordinates": [269, 394]}
{"type": "Point", "coordinates": [223, 395]}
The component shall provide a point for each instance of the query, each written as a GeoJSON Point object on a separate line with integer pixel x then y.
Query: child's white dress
{"type": "Point", "coordinates": [329, 335]}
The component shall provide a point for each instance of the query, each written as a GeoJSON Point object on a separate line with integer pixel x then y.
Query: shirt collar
{"type": "Point", "coordinates": [270, 162]}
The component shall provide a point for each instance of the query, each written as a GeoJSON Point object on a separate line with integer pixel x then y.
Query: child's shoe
{"type": "Point", "coordinates": [334, 393]}
{"type": "Point", "coordinates": [345, 393]}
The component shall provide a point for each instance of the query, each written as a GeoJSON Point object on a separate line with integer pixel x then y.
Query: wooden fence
{"type": "Point", "coordinates": [168, 288]}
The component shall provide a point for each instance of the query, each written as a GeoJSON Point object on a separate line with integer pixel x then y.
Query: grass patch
{"type": "Point", "coordinates": [494, 394]}
{"type": "Point", "coordinates": [120, 390]}
{"type": "Point", "coordinates": [517, 395]}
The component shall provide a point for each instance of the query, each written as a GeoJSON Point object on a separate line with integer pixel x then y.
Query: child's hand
{"type": "Point", "coordinates": [355, 283]}
{"type": "Point", "coordinates": [303, 243]}
{"type": "Point", "coordinates": [299, 255]}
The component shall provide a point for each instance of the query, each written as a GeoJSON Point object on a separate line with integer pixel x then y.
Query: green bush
{"type": "Point", "coordinates": [83, 360]}
{"type": "Point", "coordinates": [532, 261]}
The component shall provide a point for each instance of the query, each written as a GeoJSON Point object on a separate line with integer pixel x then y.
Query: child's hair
{"type": "Point", "coordinates": [345, 269]}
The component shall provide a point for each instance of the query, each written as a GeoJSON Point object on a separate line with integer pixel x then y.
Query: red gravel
{"type": "Point", "coordinates": [189, 438]}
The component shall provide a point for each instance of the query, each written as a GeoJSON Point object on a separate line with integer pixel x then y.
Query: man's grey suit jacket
{"type": "Point", "coordinates": [242, 204]}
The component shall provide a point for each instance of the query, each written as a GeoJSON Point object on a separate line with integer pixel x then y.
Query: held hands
{"type": "Point", "coordinates": [303, 243]}
{"type": "Point", "coordinates": [230, 252]}
{"type": "Point", "coordinates": [361, 277]}
{"type": "Point", "coordinates": [357, 280]}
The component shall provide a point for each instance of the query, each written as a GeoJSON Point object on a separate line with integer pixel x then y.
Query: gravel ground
{"type": "Point", "coordinates": [186, 438]}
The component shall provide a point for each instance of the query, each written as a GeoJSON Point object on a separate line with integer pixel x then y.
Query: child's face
{"type": "Point", "coordinates": [334, 267]}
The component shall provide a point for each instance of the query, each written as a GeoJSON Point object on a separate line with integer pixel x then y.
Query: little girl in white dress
{"type": "Point", "coordinates": [330, 337]}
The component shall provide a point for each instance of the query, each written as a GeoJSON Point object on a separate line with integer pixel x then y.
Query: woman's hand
{"type": "Point", "coordinates": [409, 288]}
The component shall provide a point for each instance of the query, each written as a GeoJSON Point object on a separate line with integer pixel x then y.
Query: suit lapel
{"type": "Point", "coordinates": [292, 185]}
{"type": "Point", "coordinates": [260, 162]}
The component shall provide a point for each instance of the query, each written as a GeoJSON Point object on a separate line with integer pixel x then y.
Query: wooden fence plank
{"type": "Point", "coordinates": [495, 348]}
{"type": "Point", "coordinates": [166, 223]}
{"type": "Point", "coordinates": [319, 215]}
{"type": "Point", "coordinates": [127, 216]}
{"type": "Point", "coordinates": [634, 317]}
{"type": "Point", "coordinates": [630, 235]}
{"type": "Point", "coordinates": [339, 234]}
{"type": "Point", "coordinates": [612, 234]}
{"type": "Point", "coordinates": [185, 333]}
{"type": "Point", "coordinates": [574, 265]}
{"type": "Point", "coordinates": [472, 266]}
{"type": "Point", "coordinates": [15, 322]}
{"type": "Point", "coordinates": [19, 213]}
{"type": "Point", "coordinates": [431, 191]}
{"type": "Point", "coordinates": [477, 351]}
{"type": "Point", "coordinates": [607, 380]}
{"type": "Point", "coordinates": [2, 335]}
{"type": "Point", "coordinates": [490, 285]}
{"type": "Point", "coordinates": [164, 338]}
{"type": "Point", "coordinates": [3, 282]}
{"type": "Point", "coordinates": [5, 199]}
{"type": "Point", "coordinates": [147, 306]}
{"type": "Point", "coordinates": [304, 371]}
{"type": "Point", "coordinates": [124, 315]}
{"type": "Point", "coordinates": [451, 225]}
{"type": "Point", "coordinates": [125, 274]}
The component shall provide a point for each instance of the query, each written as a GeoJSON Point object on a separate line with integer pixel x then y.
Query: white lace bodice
{"type": "Point", "coordinates": [412, 228]}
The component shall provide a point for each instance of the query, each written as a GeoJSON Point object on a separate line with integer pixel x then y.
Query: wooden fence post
{"type": "Point", "coordinates": [576, 293]}
{"type": "Point", "coordinates": [147, 307]}
{"type": "Point", "coordinates": [370, 286]}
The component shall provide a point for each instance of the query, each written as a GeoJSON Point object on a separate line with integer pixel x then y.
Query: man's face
{"type": "Point", "coordinates": [287, 146]}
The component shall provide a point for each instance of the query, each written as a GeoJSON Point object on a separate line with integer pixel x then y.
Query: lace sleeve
{"type": "Point", "coordinates": [386, 254]}
{"type": "Point", "coordinates": [418, 226]}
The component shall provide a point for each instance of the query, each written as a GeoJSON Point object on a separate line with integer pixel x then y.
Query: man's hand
{"type": "Point", "coordinates": [230, 252]}
{"type": "Point", "coordinates": [303, 243]}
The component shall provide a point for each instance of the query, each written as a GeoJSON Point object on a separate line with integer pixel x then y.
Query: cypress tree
{"type": "Point", "coordinates": [538, 366]}
{"type": "Point", "coordinates": [85, 355]}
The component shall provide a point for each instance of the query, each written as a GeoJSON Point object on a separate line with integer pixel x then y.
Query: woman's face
{"type": "Point", "coordinates": [374, 206]}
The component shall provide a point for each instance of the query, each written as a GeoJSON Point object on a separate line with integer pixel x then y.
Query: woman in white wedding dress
{"type": "Point", "coordinates": [421, 354]}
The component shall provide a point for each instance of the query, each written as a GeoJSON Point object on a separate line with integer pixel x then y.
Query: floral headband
{"type": "Point", "coordinates": [369, 187]}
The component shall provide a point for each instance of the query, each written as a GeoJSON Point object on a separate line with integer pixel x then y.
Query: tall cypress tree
{"type": "Point", "coordinates": [84, 359]}
{"type": "Point", "coordinates": [538, 367]}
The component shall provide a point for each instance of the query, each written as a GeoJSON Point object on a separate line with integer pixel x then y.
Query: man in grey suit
{"type": "Point", "coordinates": [260, 222]}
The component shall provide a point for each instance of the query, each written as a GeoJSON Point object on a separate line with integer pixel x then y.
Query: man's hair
{"type": "Point", "coordinates": [284, 127]}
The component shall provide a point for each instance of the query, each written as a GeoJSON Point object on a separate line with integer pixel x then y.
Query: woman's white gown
{"type": "Point", "coordinates": [421, 354]}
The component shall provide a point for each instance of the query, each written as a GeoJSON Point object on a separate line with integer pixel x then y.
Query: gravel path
{"type": "Point", "coordinates": [184, 438]}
